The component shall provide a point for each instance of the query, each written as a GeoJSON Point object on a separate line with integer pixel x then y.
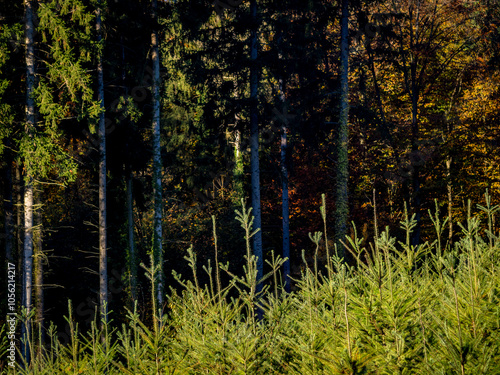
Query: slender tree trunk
{"type": "Point", "coordinates": [9, 210]}
{"type": "Point", "coordinates": [157, 162]}
{"type": "Point", "coordinates": [19, 214]}
{"type": "Point", "coordinates": [238, 166]}
{"type": "Point", "coordinates": [254, 146]}
{"type": "Point", "coordinates": [39, 260]}
{"type": "Point", "coordinates": [449, 159]}
{"type": "Point", "coordinates": [450, 199]}
{"type": "Point", "coordinates": [28, 264]}
{"type": "Point", "coordinates": [284, 194]}
{"type": "Point", "coordinates": [342, 204]}
{"type": "Point", "coordinates": [131, 245]}
{"type": "Point", "coordinates": [103, 262]}
{"type": "Point", "coordinates": [416, 201]}
{"type": "Point", "coordinates": [28, 190]}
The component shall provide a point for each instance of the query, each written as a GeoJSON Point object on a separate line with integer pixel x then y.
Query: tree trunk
{"type": "Point", "coordinates": [157, 162]}
{"type": "Point", "coordinates": [450, 199]}
{"type": "Point", "coordinates": [238, 171]}
{"type": "Point", "coordinates": [103, 266]}
{"type": "Point", "coordinates": [416, 168]}
{"type": "Point", "coordinates": [8, 206]}
{"type": "Point", "coordinates": [28, 190]}
{"type": "Point", "coordinates": [39, 260]}
{"type": "Point", "coordinates": [254, 146]}
{"type": "Point", "coordinates": [131, 245]}
{"type": "Point", "coordinates": [284, 196]}
{"type": "Point", "coordinates": [19, 216]}
{"type": "Point", "coordinates": [342, 207]}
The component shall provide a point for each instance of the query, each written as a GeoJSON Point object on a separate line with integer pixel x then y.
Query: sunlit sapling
{"type": "Point", "coordinates": [412, 253]}
{"type": "Point", "coordinates": [151, 274]}
{"type": "Point", "coordinates": [250, 280]}
{"type": "Point", "coordinates": [490, 213]}
{"type": "Point", "coordinates": [323, 217]}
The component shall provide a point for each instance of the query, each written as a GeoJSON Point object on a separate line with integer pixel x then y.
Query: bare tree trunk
{"type": "Point", "coordinates": [157, 162]}
{"type": "Point", "coordinates": [19, 215]}
{"type": "Point", "coordinates": [416, 201]}
{"type": "Point", "coordinates": [285, 207]}
{"type": "Point", "coordinates": [28, 190]}
{"type": "Point", "coordinates": [39, 260]}
{"type": "Point", "coordinates": [254, 146]}
{"type": "Point", "coordinates": [450, 198]}
{"type": "Point", "coordinates": [9, 210]}
{"type": "Point", "coordinates": [103, 262]}
{"type": "Point", "coordinates": [131, 244]}
{"type": "Point", "coordinates": [284, 188]}
{"type": "Point", "coordinates": [342, 204]}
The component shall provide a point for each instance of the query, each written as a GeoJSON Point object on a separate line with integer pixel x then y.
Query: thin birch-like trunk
{"type": "Point", "coordinates": [19, 216]}
{"type": "Point", "coordinates": [254, 146]}
{"type": "Point", "coordinates": [130, 231]}
{"type": "Point", "coordinates": [9, 211]}
{"type": "Point", "coordinates": [39, 260]}
{"type": "Point", "coordinates": [28, 189]}
{"type": "Point", "coordinates": [450, 199]}
{"type": "Point", "coordinates": [157, 162]}
{"type": "Point", "coordinates": [342, 206]}
{"type": "Point", "coordinates": [284, 190]}
{"type": "Point", "coordinates": [103, 266]}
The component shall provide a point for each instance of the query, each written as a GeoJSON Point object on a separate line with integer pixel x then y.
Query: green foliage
{"type": "Point", "coordinates": [400, 310]}
{"type": "Point", "coordinates": [43, 155]}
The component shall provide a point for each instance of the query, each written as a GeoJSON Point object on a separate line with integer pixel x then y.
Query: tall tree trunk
{"type": "Point", "coordinates": [8, 206]}
{"type": "Point", "coordinates": [342, 205]}
{"type": "Point", "coordinates": [39, 260]}
{"type": "Point", "coordinates": [130, 231]}
{"type": "Point", "coordinates": [28, 189]}
{"type": "Point", "coordinates": [157, 162]}
{"type": "Point", "coordinates": [132, 256]}
{"type": "Point", "coordinates": [103, 262]}
{"type": "Point", "coordinates": [254, 145]}
{"type": "Point", "coordinates": [450, 199]}
{"type": "Point", "coordinates": [19, 215]}
{"type": "Point", "coordinates": [416, 201]}
{"type": "Point", "coordinates": [284, 192]}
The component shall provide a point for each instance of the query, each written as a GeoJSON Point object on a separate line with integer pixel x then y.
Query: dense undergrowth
{"type": "Point", "coordinates": [431, 309]}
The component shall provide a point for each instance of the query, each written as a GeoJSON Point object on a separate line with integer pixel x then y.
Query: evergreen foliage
{"type": "Point", "coordinates": [400, 309]}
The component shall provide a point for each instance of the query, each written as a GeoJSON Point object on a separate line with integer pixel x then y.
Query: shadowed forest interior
{"type": "Point", "coordinates": [162, 154]}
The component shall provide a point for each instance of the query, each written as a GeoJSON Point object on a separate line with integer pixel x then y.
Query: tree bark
{"type": "Point", "coordinates": [254, 146]}
{"type": "Point", "coordinates": [284, 195]}
{"type": "Point", "coordinates": [131, 244]}
{"type": "Point", "coordinates": [9, 210]}
{"type": "Point", "coordinates": [157, 162]}
{"type": "Point", "coordinates": [342, 204]}
{"type": "Point", "coordinates": [19, 215]}
{"type": "Point", "coordinates": [450, 199]}
{"type": "Point", "coordinates": [39, 260]}
{"type": "Point", "coordinates": [103, 266]}
{"type": "Point", "coordinates": [28, 190]}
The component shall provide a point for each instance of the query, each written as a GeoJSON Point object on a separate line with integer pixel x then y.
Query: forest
{"type": "Point", "coordinates": [250, 187]}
